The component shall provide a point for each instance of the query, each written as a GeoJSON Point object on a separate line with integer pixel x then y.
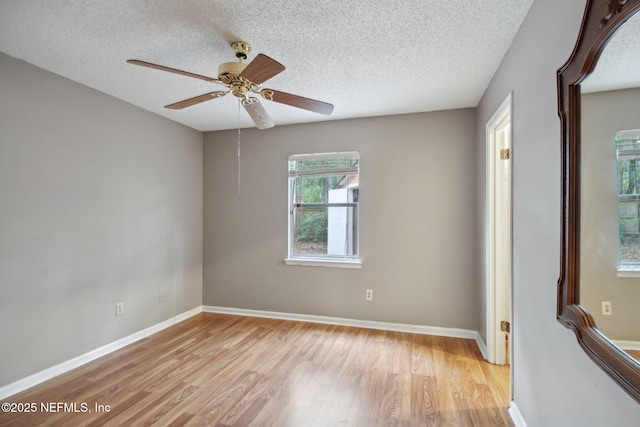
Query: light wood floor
{"type": "Point", "coordinates": [222, 370]}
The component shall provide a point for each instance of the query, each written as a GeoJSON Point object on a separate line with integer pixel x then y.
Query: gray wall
{"type": "Point", "coordinates": [417, 229]}
{"type": "Point", "coordinates": [603, 114]}
{"type": "Point", "coordinates": [555, 382]}
{"type": "Point", "coordinates": [100, 202]}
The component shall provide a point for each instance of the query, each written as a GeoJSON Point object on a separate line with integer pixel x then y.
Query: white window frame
{"type": "Point", "coordinates": [347, 261]}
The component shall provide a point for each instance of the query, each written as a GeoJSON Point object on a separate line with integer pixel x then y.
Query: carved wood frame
{"type": "Point", "coordinates": [600, 21]}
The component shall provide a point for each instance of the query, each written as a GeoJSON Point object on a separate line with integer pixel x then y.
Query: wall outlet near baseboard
{"type": "Point", "coordinates": [606, 308]}
{"type": "Point", "coordinates": [368, 295]}
{"type": "Point", "coordinates": [119, 309]}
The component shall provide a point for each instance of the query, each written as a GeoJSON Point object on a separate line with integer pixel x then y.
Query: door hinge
{"type": "Point", "coordinates": [505, 326]}
{"type": "Point", "coordinates": [505, 154]}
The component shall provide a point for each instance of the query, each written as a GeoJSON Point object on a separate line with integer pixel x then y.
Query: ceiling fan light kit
{"type": "Point", "coordinates": [243, 79]}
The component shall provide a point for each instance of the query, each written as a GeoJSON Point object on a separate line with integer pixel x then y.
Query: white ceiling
{"type": "Point", "coordinates": [619, 64]}
{"type": "Point", "coordinates": [367, 57]}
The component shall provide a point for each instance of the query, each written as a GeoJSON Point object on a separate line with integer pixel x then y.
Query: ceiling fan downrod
{"type": "Point", "coordinates": [242, 49]}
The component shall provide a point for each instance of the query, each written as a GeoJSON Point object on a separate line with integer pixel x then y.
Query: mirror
{"type": "Point", "coordinates": [609, 189]}
{"type": "Point", "coordinates": [590, 234]}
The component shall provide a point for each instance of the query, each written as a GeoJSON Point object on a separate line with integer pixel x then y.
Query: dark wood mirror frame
{"type": "Point", "coordinates": [600, 21]}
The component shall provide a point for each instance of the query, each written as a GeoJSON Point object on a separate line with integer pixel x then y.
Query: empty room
{"type": "Point", "coordinates": [339, 213]}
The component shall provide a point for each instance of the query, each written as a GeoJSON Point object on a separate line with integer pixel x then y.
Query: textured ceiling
{"type": "Point", "coordinates": [619, 65]}
{"type": "Point", "coordinates": [367, 57]}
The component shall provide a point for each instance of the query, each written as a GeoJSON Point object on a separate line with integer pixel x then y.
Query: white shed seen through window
{"type": "Point", "coordinates": [324, 194]}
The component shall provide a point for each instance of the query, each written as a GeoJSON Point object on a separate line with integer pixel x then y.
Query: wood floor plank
{"type": "Point", "coordinates": [233, 371]}
{"type": "Point", "coordinates": [424, 401]}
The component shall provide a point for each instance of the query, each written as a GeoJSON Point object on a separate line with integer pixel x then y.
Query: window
{"type": "Point", "coordinates": [628, 177]}
{"type": "Point", "coordinates": [324, 195]}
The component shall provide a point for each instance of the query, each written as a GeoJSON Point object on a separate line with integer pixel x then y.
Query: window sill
{"type": "Point", "coordinates": [325, 262]}
{"type": "Point", "coordinates": [629, 271]}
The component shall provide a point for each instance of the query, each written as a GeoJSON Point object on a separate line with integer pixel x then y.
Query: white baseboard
{"type": "Point", "coordinates": [369, 324]}
{"type": "Point", "coordinates": [482, 346]}
{"type": "Point", "coordinates": [628, 345]}
{"type": "Point", "coordinates": [63, 367]}
{"type": "Point", "coordinates": [516, 415]}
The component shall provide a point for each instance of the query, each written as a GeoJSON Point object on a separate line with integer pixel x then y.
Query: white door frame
{"type": "Point", "coordinates": [498, 280]}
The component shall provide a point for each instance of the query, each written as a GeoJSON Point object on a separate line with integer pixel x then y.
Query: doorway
{"type": "Point", "coordinates": [499, 248]}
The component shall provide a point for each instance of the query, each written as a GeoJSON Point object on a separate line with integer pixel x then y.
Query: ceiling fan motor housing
{"type": "Point", "coordinates": [228, 71]}
{"type": "Point", "coordinates": [233, 68]}
{"type": "Point", "coordinates": [229, 75]}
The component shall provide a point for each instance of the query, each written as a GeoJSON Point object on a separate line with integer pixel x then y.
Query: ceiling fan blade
{"type": "Point", "coordinates": [297, 101]}
{"type": "Point", "coordinates": [261, 69]}
{"type": "Point", "coordinates": [195, 100]}
{"type": "Point", "coordinates": [257, 113]}
{"type": "Point", "coordinates": [172, 70]}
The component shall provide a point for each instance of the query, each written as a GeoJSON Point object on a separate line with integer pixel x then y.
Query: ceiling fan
{"type": "Point", "coordinates": [243, 80]}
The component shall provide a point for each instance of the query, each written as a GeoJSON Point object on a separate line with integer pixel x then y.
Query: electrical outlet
{"type": "Point", "coordinates": [368, 295]}
{"type": "Point", "coordinates": [606, 308]}
{"type": "Point", "coordinates": [119, 309]}
{"type": "Point", "coordinates": [161, 296]}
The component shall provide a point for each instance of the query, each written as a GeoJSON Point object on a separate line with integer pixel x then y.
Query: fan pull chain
{"type": "Point", "coordinates": [238, 160]}
{"type": "Point", "coordinates": [239, 148]}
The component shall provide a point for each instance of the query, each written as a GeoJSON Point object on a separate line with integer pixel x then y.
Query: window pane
{"type": "Point", "coordinates": [628, 181]}
{"type": "Point", "coordinates": [324, 166]}
{"type": "Point", "coordinates": [326, 231]}
{"type": "Point", "coordinates": [629, 231]}
{"type": "Point", "coordinates": [310, 232]}
{"type": "Point", "coordinates": [313, 190]}
{"type": "Point", "coordinates": [317, 189]}
{"type": "Point", "coordinates": [628, 176]}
